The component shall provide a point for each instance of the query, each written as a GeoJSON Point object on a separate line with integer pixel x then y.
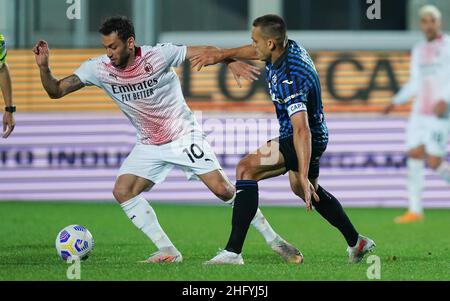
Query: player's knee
{"type": "Point", "coordinates": [122, 193]}
{"type": "Point", "coordinates": [246, 170]}
{"type": "Point", "coordinates": [434, 162]}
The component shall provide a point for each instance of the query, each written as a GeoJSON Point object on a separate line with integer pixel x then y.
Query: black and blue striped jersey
{"type": "Point", "coordinates": [294, 86]}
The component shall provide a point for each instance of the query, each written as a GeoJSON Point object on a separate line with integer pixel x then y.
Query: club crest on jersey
{"type": "Point", "coordinates": [148, 68]}
{"type": "Point", "coordinates": [274, 79]}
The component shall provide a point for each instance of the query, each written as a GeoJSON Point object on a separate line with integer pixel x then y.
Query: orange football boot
{"type": "Point", "coordinates": [409, 217]}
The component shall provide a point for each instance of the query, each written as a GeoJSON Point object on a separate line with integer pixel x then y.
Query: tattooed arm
{"type": "Point", "coordinates": [55, 88]}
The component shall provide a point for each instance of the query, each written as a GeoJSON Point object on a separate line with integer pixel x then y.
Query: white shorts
{"type": "Point", "coordinates": [429, 131]}
{"type": "Point", "coordinates": [192, 153]}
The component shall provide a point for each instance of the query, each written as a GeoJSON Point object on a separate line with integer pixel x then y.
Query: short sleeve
{"type": "Point", "coordinates": [174, 54]}
{"type": "Point", "coordinates": [87, 73]}
{"type": "Point", "coordinates": [294, 93]}
{"type": "Point", "coordinates": [3, 51]}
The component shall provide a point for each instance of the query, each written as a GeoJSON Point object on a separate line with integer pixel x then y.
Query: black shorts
{"type": "Point", "coordinates": [287, 149]}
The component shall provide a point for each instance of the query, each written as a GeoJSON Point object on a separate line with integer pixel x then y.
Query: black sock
{"type": "Point", "coordinates": [244, 210]}
{"type": "Point", "coordinates": [330, 209]}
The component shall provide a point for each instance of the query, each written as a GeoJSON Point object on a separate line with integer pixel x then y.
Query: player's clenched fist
{"type": "Point", "coordinates": [41, 53]}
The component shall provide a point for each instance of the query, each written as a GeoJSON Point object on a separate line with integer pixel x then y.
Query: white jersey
{"type": "Point", "coordinates": [148, 92]}
{"type": "Point", "coordinates": [429, 76]}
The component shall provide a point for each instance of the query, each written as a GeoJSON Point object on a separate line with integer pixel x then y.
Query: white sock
{"type": "Point", "coordinates": [260, 223]}
{"type": "Point", "coordinates": [415, 184]}
{"type": "Point", "coordinates": [143, 216]}
{"type": "Point", "coordinates": [231, 201]}
{"type": "Point", "coordinates": [263, 226]}
{"type": "Point", "coordinates": [444, 171]}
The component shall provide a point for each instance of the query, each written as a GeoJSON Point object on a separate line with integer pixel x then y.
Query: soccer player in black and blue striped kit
{"type": "Point", "coordinates": [295, 90]}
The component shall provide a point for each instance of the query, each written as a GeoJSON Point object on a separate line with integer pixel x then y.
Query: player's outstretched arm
{"type": "Point", "coordinates": [214, 55]}
{"type": "Point", "coordinates": [55, 88]}
{"type": "Point", "coordinates": [247, 52]}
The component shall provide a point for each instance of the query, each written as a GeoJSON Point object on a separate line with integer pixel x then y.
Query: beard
{"type": "Point", "coordinates": [122, 61]}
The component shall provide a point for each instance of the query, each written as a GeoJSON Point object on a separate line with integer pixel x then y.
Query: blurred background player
{"type": "Point", "coordinates": [429, 123]}
{"type": "Point", "coordinates": [295, 90]}
{"type": "Point", "coordinates": [142, 83]}
{"type": "Point", "coordinates": [6, 87]}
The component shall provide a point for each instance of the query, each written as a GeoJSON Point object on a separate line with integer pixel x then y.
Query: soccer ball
{"type": "Point", "coordinates": [74, 240]}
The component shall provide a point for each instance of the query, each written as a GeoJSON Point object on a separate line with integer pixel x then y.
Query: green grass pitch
{"type": "Point", "coordinates": [28, 230]}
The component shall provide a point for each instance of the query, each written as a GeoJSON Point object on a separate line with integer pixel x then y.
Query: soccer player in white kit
{"type": "Point", "coordinates": [144, 86]}
{"type": "Point", "coordinates": [6, 88]}
{"type": "Point", "coordinates": [429, 123]}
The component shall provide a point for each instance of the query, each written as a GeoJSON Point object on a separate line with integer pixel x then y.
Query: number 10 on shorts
{"type": "Point", "coordinates": [194, 152]}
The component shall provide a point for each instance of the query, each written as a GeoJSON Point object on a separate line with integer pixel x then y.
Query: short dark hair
{"type": "Point", "coordinates": [119, 24]}
{"type": "Point", "coordinates": [272, 26]}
